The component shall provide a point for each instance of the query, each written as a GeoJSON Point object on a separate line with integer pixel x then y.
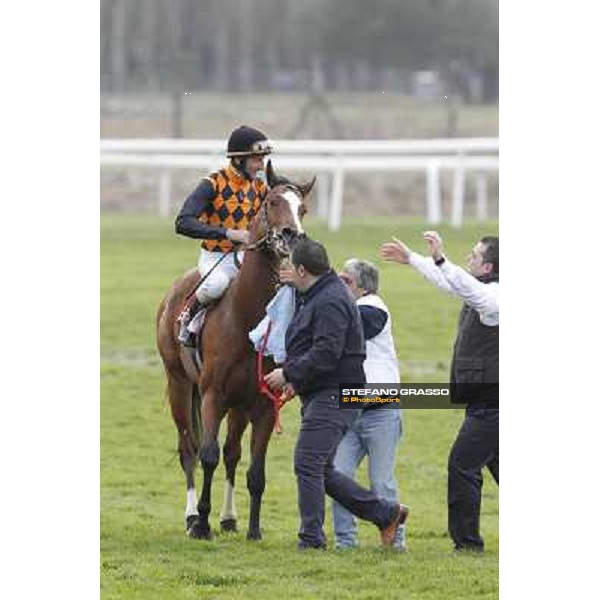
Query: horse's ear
{"type": "Point", "coordinates": [307, 187]}
{"type": "Point", "coordinates": [271, 179]}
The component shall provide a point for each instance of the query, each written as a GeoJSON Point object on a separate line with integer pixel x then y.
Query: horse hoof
{"type": "Point", "coordinates": [190, 521]}
{"type": "Point", "coordinates": [229, 526]}
{"type": "Point", "coordinates": [254, 536]}
{"type": "Point", "coordinates": [195, 530]}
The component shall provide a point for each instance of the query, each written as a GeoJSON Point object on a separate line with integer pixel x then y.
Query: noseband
{"type": "Point", "coordinates": [271, 240]}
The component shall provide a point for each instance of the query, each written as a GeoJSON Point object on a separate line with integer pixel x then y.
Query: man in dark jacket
{"type": "Point", "coordinates": [325, 347]}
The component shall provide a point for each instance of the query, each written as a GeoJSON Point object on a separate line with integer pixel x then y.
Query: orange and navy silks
{"type": "Point", "coordinates": [236, 201]}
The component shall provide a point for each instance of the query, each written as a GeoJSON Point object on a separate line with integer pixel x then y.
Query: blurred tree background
{"type": "Point", "coordinates": [414, 47]}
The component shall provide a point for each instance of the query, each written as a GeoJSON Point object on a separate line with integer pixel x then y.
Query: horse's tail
{"type": "Point", "coordinates": [196, 418]}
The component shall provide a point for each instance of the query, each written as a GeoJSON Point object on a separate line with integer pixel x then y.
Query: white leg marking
{"type": "Point", "coordinates": [228, 511]}
{"type": "Point", "coordinates": [192, 504]}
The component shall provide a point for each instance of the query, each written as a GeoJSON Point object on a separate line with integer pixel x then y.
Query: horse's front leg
{"type": "Point", "coordinates": [209, 458]}
{"type": "Point", "coordinates": [232, 452]}
{"type": "Point", "coordinates": [263, 419]}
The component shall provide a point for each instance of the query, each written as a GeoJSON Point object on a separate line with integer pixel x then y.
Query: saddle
{"type": "Point", "coordinates": [196, 324]}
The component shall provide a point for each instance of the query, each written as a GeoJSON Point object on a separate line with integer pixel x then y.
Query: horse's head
{"type": "Point", "coordinates": [279, 222]}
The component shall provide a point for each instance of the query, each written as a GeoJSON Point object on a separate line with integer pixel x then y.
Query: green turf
{"type": "Point", "coordinates": [144, 552]}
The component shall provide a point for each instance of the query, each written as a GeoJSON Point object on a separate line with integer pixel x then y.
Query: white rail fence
{"type": "Point", "coordinates": [330, 160]}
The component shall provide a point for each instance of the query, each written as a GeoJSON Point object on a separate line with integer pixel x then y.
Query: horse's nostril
{"type": "Point", "coordinates": [288, 233]}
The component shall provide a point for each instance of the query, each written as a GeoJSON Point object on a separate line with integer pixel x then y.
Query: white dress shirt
{"type": "Point", "coordinates": [483, 297]}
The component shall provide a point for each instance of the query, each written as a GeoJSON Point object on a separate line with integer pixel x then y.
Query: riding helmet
{"type": "Point", "coordinates": [247, 141]}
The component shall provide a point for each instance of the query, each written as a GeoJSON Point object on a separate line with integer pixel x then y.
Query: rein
{"type": "Point", "coordinates": [207, 274]}
{"type": "Point", "coordinates": [269, 237]}
{"type": "Point", "coordinates": [274, 397]}
{"type": "Point", "coordinates": [268, 240]}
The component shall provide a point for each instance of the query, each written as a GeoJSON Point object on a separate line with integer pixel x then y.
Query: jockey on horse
{"type": "Point", "coordinates": [227, 383]}
{"type": "Point", "coordinates": [218, 212]}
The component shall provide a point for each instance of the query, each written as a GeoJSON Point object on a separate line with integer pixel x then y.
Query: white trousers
{"type": "Point", "coordinates": [218, 281]}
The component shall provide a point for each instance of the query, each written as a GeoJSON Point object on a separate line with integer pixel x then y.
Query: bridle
{"type": "Point", "coordinates": [272, 240]}
{"type": "Point", "coordinates": [267, 240]}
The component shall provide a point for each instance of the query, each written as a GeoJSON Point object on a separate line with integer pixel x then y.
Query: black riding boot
{"type": "Point", "coordinates": [185, 336]}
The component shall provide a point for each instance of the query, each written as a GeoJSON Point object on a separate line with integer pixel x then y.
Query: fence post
{"type": "Point", "coordinates": [481, 182]}
{"type": "Point", "coordinates": [337, 197]}
{"type": "Point", "coordinates": [434, 204]}
{"type": "Point", "coordinates": [164, 193]}
{"type": "Point", "coordinates": [458, 199]}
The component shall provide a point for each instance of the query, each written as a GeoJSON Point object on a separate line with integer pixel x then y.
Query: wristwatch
{"type": "Point", "coordinates": [440, 261]}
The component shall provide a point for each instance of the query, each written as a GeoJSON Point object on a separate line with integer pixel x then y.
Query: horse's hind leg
{"type": "Point", "coordinates": [262, 427]}
{"type": "Point", "coordinates": [180, 390]}
{"type": "Point", "coordinates": [209, 458]}
{"type": "Point", "coordinates": [232, 452]}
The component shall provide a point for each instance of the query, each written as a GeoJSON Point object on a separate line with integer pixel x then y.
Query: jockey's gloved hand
{"type": "Point", "coordinates": [238, 236]}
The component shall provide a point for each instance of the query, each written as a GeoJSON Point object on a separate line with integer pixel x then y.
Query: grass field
{"type": "Point", "coordinates": [144, 552]}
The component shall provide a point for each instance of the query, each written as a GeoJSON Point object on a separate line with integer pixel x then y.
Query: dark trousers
{"type": "Point", "coordinates": [323, 426]}
{"type": "Point", "coordinates": [475, 447]}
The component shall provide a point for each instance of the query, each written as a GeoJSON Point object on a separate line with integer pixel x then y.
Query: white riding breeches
{"type": "Point", "coordinates": [218, 281]}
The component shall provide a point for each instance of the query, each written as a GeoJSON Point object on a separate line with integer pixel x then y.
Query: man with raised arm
{"type": "Point", "coordinates": [474, 372]}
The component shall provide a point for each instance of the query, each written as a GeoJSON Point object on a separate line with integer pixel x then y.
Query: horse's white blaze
{"type": "Point", "coordinates": [192, 505]}
{"type": "Point", "coordinates": [228, 511]}
{"type": "Point", "coordinates": [294, 203]}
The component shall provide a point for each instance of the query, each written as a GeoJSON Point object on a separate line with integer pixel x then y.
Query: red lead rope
{"type": "Point", "coordinates": [275, 397]}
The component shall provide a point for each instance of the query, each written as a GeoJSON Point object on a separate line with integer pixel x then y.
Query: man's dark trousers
{"type": "Point", "coordinates": [323, 426]}
{"type": "Point", "coordinates": [475, 447]}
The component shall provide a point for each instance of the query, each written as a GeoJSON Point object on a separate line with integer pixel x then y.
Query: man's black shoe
{"type": "Point", "coordinates": [468, 549]}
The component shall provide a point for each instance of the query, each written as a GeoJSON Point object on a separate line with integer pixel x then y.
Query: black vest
{"type": "Point", "coordinates": [474, 373]}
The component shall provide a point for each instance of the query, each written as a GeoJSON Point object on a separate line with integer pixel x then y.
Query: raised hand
{"type": "Point", "coordinates": [396, 251]}
{"type": "Point", "coordinates": [434, 244]}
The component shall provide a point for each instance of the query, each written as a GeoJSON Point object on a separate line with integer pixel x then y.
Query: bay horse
{"type": "Point", "coordinates": [227, 381]}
